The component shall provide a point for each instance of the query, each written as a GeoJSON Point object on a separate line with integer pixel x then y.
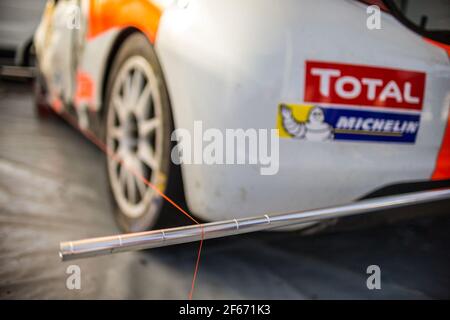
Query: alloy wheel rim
{"type": "Point", "coordinates": [134, 136]}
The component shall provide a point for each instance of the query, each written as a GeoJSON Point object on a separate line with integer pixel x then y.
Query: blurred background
{"type": "Point", "coordinates": [18, 21]}
{"type": "Point", "coordinates": [52, 188]}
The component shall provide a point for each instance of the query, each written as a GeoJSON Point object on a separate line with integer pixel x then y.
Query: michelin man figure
{"type": "Point", "coordinates": [314, 129]}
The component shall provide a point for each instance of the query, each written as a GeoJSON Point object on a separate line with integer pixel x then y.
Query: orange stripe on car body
{"type": "Point", "coordinates": [441, 45]}
{"type": "Point", "coordinates": [85, 89]}
{"type": "Point", "coordinates": [442, 169]}
{"type": "Point", "coordinates": [107, 14]}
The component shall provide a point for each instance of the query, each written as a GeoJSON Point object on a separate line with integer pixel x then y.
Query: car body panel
{"type": "Point", "coordinates": [244, 67]}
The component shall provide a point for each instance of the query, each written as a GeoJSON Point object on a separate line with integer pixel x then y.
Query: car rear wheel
{"type": "Point", "coordinates": [137, 132]}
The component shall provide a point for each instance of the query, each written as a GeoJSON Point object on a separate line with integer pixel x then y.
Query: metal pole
{"type": "Point", "coordinates": [165, 237]}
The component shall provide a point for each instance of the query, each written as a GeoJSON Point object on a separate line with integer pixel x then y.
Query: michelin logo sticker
{"type": "Point", "coordinates": [317, 123]}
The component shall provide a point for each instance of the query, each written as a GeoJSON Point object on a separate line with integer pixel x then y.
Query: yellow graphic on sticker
{"type": "Point", "coordinates": [300, 113]}
{"type": "Point", "coordinates": [303, 121]}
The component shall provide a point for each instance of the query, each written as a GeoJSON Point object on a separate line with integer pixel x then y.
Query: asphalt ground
{"type": "Point", "coordinates": [52, 188]}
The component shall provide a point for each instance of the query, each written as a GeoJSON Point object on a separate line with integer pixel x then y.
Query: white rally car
{"type": "Point", "coordinates": [360, 104]}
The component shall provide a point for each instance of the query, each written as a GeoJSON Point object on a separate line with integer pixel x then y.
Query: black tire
{"type": "Point", "coordinates": [137, 45]}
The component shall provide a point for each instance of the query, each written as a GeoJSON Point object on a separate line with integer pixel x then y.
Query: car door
{"type": "Point", "coordinates": [56, 42]}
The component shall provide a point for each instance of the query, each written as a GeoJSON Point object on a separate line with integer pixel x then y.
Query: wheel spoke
{"type": "Point", "coordinates": [127, 88]}
{"type": "Point", "coordinates": [123, 173]}
{"type": "Point", "coordinates": [147, 155]}
{"type": "Point", "coordinates": [118, 155]}
{"type": "Point", "coordinates": [138, 170]}
{"type": "Point", "coordinates": [148, 126]}
{"type": "Point", "coordinates": [115, 164]}
{"type": "Point", "coordinates": [141, 187]}
{"type": "Point", "coordinates": [136, 86]}
{"type": "Point", "coordinates": [131, 188]}
{"type": "Point", "coordinates": [143, 102]}
{"type": "Point", "coordinates": [117, 132]}
{"type": "Point", "coordinates": [120, 109]}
